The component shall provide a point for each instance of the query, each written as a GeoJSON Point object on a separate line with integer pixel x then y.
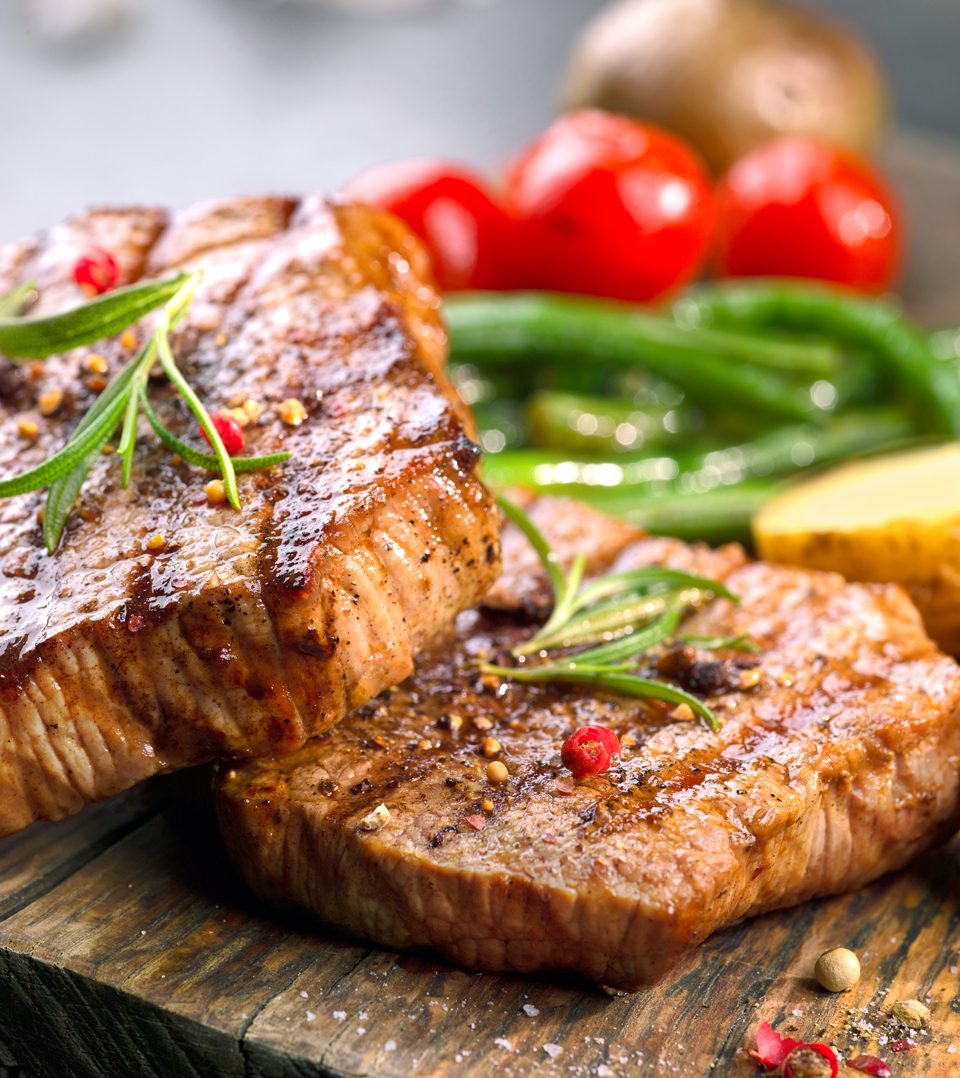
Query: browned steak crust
{"type": "Point", "coordinates": [249, 631]}
{"type": "Point", "coordinates": [839, 765]}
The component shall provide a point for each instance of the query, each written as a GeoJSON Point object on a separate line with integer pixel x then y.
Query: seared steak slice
{"type": "Point", "coordinates": [248, 632]}
{"type": "Point", "coordinates": [839, 765]}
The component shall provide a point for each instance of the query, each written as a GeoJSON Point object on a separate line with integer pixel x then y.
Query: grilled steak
{"type": "Point", "coordinates": [840, 764]}
{"type": "Point", "coordinates": [250, 631]}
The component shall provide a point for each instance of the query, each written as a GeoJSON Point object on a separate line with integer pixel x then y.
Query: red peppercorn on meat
{"type": "Point", "coordinates": [230, 431]}
{"type": "Point", "coordinates": [589, 751]}
{"type": "Point", "coordinates": [96, 271]}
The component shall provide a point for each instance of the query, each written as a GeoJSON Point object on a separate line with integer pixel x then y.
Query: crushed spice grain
{"type": "Point", "coordinates": [912, 1013]}
{"type": "Point", "coordinates": [749, 679]}
{"type": "Point", "coordinates": [375, 820]}
{"type": "Point", "coordinates": [490, 747]}
{"type": "Point", "coordinates": [292, 412]}
{"type": "Point", "coordinates": [215, 491]}
{"type": "Point", "coordinates": [497, 773]}
{"type": "Point", "coordinates": [50, 401]}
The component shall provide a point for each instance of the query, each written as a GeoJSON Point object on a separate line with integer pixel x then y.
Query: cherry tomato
{"type": "Point", "coordinates": [449, 208]}
{"type": "Point", "coordinates": [610, 207]}
{"type": "Point", "coordinates": [802, 208]}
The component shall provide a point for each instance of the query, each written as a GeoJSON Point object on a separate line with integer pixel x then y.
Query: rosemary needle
{"type": "Point", "coordinates": [615, 620]}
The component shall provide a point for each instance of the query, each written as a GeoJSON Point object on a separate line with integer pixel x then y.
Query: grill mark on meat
{"type": "Point", "coordinates": [842, 764]}
{"type": "Point", "coordinates": [219, 227]}
{"type": "Point", "coordinates": [232, 639]}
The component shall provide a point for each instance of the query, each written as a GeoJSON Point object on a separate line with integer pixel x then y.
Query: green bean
{"type": "Point", "coordinates": [716, 516]}
{"type": "Point", "coordinates": [946, 343]}
{"type": "Point", "coordinates": [558, 472]}
{"type": "Point", "coordinates": [899, 349]}
{"type": "Point", "coordinates": [858, 384]}
{"type": "Point", "coordinates": [791, 448]}
{"type": "Point", "coordinates": [776, 453]}
{"type": "Point", "coordinates": [810, 356]}
{"type": "Point", "coordinates": [579, 423]}
{"type": "Point", "coordinates": [579, 333]}
{"type": "Point", "coordinates": [501, 424]}
{"type": "Point", "coordinates": [582, 423]}
{"type": "Point", "coordinates": [478, 387]}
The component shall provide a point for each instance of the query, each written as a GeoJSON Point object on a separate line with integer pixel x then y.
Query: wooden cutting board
{"type": "Point", "coordinates": [128, 946]}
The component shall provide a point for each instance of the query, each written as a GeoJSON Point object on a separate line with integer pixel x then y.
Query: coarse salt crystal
{"type": "Point", "coordinates": [502, 1042]}
{"type": "Point", "coordinates": [340, 1016]}
{"type": "Point", "coordinates": [603, 1071]}
{"type": "Point", "coordinates": [375, 820]}
{"type": "Point", "coordinates": [311, 1016]}
{"type": "Point", "coordinates": [390, 1046]}
{"type": "Point", "coordinates": [304, 995]}
{"type": "Point", "coordinates": [530, 1010]}
{"type": "Point", "coordinates": [553, 1050]}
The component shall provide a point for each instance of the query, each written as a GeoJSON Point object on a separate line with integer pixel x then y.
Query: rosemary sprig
{"type": "Point", "coordinates": [714, 643]}
{"type": "Point", "coordinates": [616, 619]}
{"type": "Point", "coordinates": [38, 338]}
{"type": "Point", "coordinates": [16, 301]}
{"type": "Point", "coordinates": [123, 398]}
{"type": "Point", "coordinates": [207, 461]}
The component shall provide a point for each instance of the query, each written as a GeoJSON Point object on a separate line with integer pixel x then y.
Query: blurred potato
{"type": "Point", "coordinates": [894, 518]}
{"type": "Point", "coordinates": [729, 74]}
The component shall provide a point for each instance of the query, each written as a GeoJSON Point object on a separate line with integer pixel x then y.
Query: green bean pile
{"type": "Point", "coordinates": [684, 422]}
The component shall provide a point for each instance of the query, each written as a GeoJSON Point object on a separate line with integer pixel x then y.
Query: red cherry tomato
{"type": "Point", "coordinates": [449, 208]}
{"type": "Point", "coordinates": [801, 208]}
{"type": "Point", "coordinates": [610, 207]}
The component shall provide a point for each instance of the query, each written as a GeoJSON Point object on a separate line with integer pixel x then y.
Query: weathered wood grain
{"type": "Point", "coordinates": [37, 859]}
{"type": "Point", "coordinates": [128, 946]}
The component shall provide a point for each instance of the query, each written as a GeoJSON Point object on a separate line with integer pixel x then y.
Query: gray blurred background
{"type": "Point", "coordinates": [184, 99]}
